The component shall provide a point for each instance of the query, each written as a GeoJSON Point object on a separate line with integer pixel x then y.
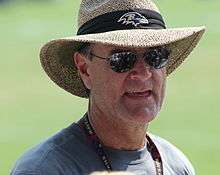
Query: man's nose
{"type": "Point", "coordinates": [141, 70]}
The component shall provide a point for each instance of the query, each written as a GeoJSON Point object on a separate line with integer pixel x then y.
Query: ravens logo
{"type": "Point", "coordinates": [134, 19]}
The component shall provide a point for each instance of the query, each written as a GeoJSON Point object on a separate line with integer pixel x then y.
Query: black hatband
{"type": "Point", "coordinates": [122, 20]}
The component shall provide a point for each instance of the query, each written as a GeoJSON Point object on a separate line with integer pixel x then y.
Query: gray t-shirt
{"type": "Point", "coordinates": [70, 153]}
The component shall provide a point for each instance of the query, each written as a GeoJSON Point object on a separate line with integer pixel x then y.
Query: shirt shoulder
{"type": "Point", "coordinates": [173, 159]}
{"type": "Point", "coordinates": [54, 155]}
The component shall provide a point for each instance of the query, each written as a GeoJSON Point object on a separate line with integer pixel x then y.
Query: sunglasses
{"type": "Point", "coordinates": [156, 58]}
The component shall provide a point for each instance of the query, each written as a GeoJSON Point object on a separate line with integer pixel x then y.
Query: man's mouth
{"type": "Point", "coordinates": [146, 93]}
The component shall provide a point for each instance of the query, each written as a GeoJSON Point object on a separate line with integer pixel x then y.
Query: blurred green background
{"type": "Point", "coordinates": [32, 108]}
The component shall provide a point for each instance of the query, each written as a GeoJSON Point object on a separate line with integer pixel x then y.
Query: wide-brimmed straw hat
{"type": "Point", "coordinates": [126, 23]}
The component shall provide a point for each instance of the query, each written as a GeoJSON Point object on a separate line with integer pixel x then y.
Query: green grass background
{"type": "Point", "coordinates": [32, 108]}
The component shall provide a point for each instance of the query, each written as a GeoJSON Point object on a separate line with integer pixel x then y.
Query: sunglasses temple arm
{"type": "Point", "coordinates": [97, 56]}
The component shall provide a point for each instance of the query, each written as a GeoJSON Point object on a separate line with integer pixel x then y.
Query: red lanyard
{"type": "Point", "coordinates": [86, 126]}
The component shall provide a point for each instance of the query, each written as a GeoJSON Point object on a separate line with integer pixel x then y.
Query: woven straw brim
{"type": "Point", "coordinates": [57, 55]}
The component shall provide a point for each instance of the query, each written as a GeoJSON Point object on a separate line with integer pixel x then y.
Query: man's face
{"type": "Point", "coordinates": [136, 95]}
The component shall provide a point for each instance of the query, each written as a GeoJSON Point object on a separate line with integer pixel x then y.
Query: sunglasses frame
{"type": "Point", "coordinates": [156, 61]}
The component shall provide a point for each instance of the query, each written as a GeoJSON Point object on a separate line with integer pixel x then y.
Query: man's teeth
{"type": "Point", "coordinates": [138, 91]}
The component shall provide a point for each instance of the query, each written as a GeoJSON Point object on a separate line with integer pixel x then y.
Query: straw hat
{"type": "Point", "coordinates": [127, 23]}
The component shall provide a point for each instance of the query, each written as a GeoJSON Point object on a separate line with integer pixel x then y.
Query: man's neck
{"type": "Point", "coordinates": [118, 134]}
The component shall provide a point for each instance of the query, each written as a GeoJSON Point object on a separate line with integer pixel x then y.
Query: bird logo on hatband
{"type": "Point", "coordinates": [134, 19]}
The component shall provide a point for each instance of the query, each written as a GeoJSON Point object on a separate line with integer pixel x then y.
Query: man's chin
{"type": "Point", "coordinates": [142, 117]}
{"type": "Point", "coordinates": [141, 113]}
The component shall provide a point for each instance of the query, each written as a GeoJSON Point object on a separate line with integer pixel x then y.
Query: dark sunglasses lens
{"type": "Point", "coordinates": [122, 62]}
{"type": "Point", "coordinates": [157, 57]}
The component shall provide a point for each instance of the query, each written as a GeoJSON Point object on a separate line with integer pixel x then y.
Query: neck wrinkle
{"type": "Point", "coordinates": [117, 134]}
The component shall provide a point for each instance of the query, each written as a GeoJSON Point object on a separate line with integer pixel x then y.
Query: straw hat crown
{"type": "Point", "coordinates": [90, 9]}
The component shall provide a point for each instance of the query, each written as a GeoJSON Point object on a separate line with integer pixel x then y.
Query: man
{"type": "Point", "coordinates": [119, 60]}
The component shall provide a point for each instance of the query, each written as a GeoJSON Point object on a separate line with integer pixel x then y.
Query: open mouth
{"type": "Point", "coordinates": [146, 93]}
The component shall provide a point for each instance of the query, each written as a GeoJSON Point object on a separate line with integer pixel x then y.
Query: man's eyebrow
{"type": "Point", "coordinates": [117, 50]}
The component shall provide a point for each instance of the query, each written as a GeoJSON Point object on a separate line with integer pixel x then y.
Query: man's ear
{"type": "Point", "coordinates": [82, 64]}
